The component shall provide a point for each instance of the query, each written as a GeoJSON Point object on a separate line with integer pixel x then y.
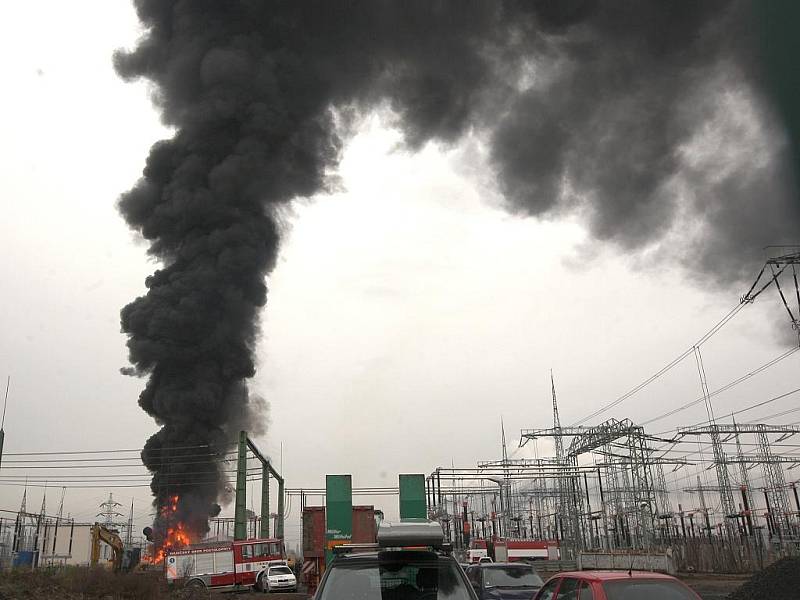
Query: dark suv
{"type": "Point", "coordinates": [394, 575]}
{"type": "Point", "coordinates": [409, 562]}
{"type": "Point", "coordinates": [504, 581]}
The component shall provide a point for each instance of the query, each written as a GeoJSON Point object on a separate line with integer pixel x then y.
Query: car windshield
{"type": "Point", "coordinates": [511, 577]}
{"type": "Point", "coordinates": [280, 571]}
{"type": "Point", "coordinates": [652, 589]}
{"type": "Point", "coordinates": [405, 575]}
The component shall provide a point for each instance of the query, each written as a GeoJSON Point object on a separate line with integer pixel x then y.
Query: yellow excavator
{"type": "Point", "coordinates": [103, 534]}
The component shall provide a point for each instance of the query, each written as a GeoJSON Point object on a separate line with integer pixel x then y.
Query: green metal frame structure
{"type": "Point", "coordinates": [240, 514]}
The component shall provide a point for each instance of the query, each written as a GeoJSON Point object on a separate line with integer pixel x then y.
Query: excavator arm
{"type": "Point", "coordinates": [101, 534]}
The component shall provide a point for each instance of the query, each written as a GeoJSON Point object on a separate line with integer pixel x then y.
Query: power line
{"type": "Point", "coordinates": [673, 363]}
{"type": "Point", "coordinates": [110, 477]}
{"type": "Point", "coordinates": [122, 479]}
{"type": "Point", "coordinates": [740, 411]}
{"type": "Point", "coordinates": [778, 414]}
{"type": "Point", "coordinates": [73, 460]}
{"type": "Point", "coordinates": [170, 449]}
{"type": "Point", "coordinates": [48, 477]}
{"type": "Point", "coordinates": [132, 485]}
{"type": "Point", "coordinates": [725, 387]}
{"type": "Point", "coordinates": [37, 464]}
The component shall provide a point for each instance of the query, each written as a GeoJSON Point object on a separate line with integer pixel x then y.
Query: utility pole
{"type": "Point", "coordinates": [704, 507]}
{"type": "Point", "coordinates": [747, 498]}
{"type": "Point", "coordinates": [720, 461]}
{"type": "Point", "coordinates": [603, 512]}
{"type": "Point", "coordinates": [61, 503]}
{"type": "Point", "coordinates": [240, 505]}
{"type": "Point", "coordinates": [58, 519]}
{"type": "Point", "coordinates": [567, 512]}
{"type": "Point", "coordinates": [19, 525]}
{"type": "Point", "coordinates": [505, 507]}
{"type": "Point", "coordinates": [775, 482]}
{"type": "Point", "coordinates": [129, 532]}
{"type": "Point", "coordinates": [39, 520]}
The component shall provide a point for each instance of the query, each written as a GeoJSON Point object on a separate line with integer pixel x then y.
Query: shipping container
{"type": "Point", "coordinates": [314, 532]}
{"type": "Point", "coordinates": [365, 529]}
{"type": "Point", "coordinates": [313, 547]}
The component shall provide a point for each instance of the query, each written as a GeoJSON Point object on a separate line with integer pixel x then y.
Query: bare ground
{"type": "Point", "coordinates": [220, 594]}
{"type": "Point", "coordinates": [713, 587]}
{"type": "Point", "coordinates": [100, 584]}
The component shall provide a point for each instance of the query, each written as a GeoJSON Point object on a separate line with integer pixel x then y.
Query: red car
{"type": "Point", "coordinates": [614, 585]}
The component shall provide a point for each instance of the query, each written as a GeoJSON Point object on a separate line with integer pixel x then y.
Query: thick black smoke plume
{"type": "Point", "coordinates": [647, 117]}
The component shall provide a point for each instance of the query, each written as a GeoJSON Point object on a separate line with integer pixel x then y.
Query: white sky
{"type": "Point", "coordinates": [406, 315]}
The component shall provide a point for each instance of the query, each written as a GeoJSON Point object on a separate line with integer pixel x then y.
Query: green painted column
{"type": "Point", "coordinates": [264, 501]}
{"type": "Point", "coordinates": [279, 522]}
{"type": "Point", "coordinates": [240, 514]}
{"type": "Point", "coordinates": [338, 512]}
{"type": "Point", "coordinates": [412, 497]}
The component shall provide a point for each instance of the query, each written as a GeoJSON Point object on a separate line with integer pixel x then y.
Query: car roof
{"type": "Point", "coordinates": [356, 555]}
{"type": "Point", "coordinates": [256, 541]}
{"type": "Point", "coordinates": [494, 565]}
{"type": "Point", "coordinates": [613, 575]}
{"type": "Point", "coordinates": [373, 555]}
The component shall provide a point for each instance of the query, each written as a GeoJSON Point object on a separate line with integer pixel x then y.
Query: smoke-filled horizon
{"type": "Point", "coordinates": [650, 120]}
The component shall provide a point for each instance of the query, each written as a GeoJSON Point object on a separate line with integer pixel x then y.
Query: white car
{"type": "Point", "coordinates": [279, 578]}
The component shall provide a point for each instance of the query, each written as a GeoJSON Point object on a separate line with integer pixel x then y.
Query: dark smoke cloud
{"type": "Point", "coordinates": [647, 117]}
{"type": "Point", "coordinates": [638, 128]}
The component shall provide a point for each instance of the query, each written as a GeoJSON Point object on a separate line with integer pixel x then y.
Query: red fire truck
{"type": "Point", "coordinates": [478, 549]}
{"type": "Point", "coordinates": [526, 550]}
{"type": "Point", "coordinates": [224, 564]}
{"type": "Point", "coordinates": [513, 550]}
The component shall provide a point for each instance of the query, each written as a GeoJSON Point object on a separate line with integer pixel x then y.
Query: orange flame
{"type": "Point", "coordinates": [177, 535]}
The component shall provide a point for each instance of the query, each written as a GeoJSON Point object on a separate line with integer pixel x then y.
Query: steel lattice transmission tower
{"type": "Point", "coordinates": [567, 509]}
{"type": "Point", "coordinates": [774, 479]}
{"type": "Point", "coordinates": [775, 487]}
{"type": "Point", "coordinates": [747, 494]}
{"type": "Point", "coordinates": [720, 460]}
{"type": "Point", "coordinates": [777, 266]}
{"type": "Point", "coordinates": [110, 514]}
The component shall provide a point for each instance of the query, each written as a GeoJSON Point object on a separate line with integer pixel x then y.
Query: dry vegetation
{"type": "Point", "coordinates": [81, 583]}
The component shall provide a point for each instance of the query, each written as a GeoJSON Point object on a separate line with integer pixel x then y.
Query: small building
{"type": "Point", "coordinates": [35, 542]}
{"type": "Point", "coordinates": [69, 543]}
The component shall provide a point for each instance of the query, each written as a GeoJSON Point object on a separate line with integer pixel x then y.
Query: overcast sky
{"type": "Point", "coordinates": [408, 312]}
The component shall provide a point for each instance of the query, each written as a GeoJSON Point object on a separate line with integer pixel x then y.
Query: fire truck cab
{"type": "Point", "coordinates": [224, 565]}
{"type": "Point", "coordinates": [477, 550]}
